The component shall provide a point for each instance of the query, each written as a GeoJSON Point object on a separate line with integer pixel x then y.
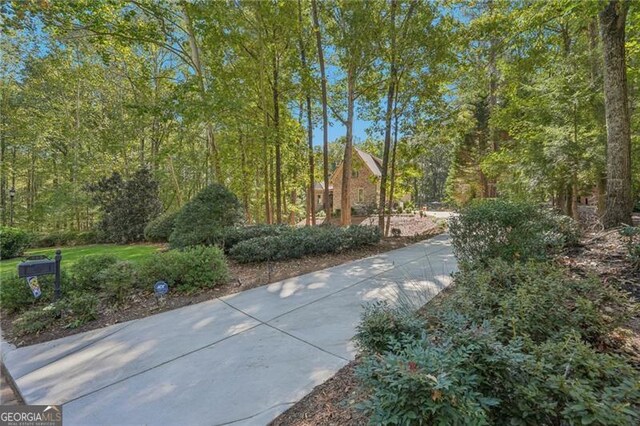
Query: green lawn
{"type": "Point", "coordinates": [70, 255]}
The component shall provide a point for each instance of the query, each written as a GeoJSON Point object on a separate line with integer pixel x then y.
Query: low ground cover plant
{"type": "Point", "coordinates": [299, 242]}
{"type": "Point", "coordinates": [70, 312]}
{"type": "Point", "coordinates": [631, 235]}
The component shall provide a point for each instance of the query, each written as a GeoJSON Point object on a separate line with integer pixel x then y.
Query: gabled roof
{"type": "Point", "coordinates": [373, 163]}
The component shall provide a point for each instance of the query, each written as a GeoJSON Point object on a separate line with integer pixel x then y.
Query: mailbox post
{"type": "Point", "coordinates": [57, 259]}
{"type": "Point", "coordinates": [40, 265]}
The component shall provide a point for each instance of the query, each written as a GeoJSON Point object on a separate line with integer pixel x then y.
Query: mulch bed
{"type": "Point", "coordinates": [602, 254]}
{"type": "Point", "coordinates": [243, 277]}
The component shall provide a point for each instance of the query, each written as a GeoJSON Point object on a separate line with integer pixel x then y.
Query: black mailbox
{"type": "Point", "coordinates": [40, 265]}
{"type": "Point", "coordinates": [34, 268]}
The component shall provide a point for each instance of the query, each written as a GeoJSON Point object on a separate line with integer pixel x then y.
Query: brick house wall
{"type": "Point", "coordinates": [365, 186]}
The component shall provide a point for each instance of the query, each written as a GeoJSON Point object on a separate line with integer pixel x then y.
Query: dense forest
{"type": "Point", "coordinates": [463, 99]}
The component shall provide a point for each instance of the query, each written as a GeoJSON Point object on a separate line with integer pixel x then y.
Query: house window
{"type": "Point", "coordinates": [319, 198]}
{"type": "Point", "coordinates": [354, 174]}
{"type": "Point", "coordinates": [361, 195]}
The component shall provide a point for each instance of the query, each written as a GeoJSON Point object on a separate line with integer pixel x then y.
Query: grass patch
{"type": "Point", "coordinates": [70, 255]}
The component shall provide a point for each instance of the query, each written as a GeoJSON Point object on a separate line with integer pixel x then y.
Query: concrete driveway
{"type": "Point", "coordinates": [241, 359]}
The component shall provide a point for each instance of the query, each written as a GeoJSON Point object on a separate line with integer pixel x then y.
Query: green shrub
{"type": "Point", "coordinates": [382, 324]}
{"type": "Point", "coordinates": [630, 233]}
{"type": "Point", "coordinates": [489, 229]}
{"type": "Point", "coordinates": [15, 295]}
{"type": "Point", "coordinates": [463, 373]}
{"type": "Point", "coordinates": [236, 234]}
{"type": "Point", "coordinates": [299, 242]}
{"type": "Point", "coordinates": [186, 270]}
{"type": "Point", "coordinates": [13, 242]}
{"type": "Point", "coordinates": [118, 280]}
{"type": "Point", "coordinates": [159, 229]}
{"type": "Point", "coordinates": [87, 271]}
{"type": "Point", "coordinates": [70, 312]}
{"type": "Point", "coordinates": [67, 238]}
{"type": "Point", "coordinates": [81, 308]}
{"type": "Point", "coordinates": [203, 219]}
{"type": "Point", "coordinates": [538, 301]}
{"type": "Point", "coordinates": [38, 319]}
{"type": "Point", "coordinates": [445, 378]}
{"type": "Point", "coordinates": [568, 382]}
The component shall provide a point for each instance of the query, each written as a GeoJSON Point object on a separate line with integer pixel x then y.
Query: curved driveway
{"type": "Point", "coordinates": [241, 359]}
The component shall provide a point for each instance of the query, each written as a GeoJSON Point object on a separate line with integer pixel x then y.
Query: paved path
{"type": "Point", "coordinates": [241, 359]}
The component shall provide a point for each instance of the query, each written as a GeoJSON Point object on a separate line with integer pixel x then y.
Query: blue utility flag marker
{"type": "Point", "coordinates": [161, 288]}
{"type": "Point", "coordinates": [34, 286]}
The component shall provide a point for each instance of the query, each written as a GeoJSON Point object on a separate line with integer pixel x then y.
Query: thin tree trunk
{"type": "Point", "coordinates": [387, 120]}
{"type": "Point", "coordinates": [175, 182]}
{"type": "Point", "coordinates": [292, 214]}
{"type": "Point", "coordinates": [212, 149]}
{"type": "Point", "coordinates": [393, 172]}
{"type": "Point", "coordinates": [619, 201]}
{"type": "Point", "coordinates": [345, 202]}
{"type": "Point", "coordinates": [267, 192]}
{"type": "Point", "coordinates": [311, 199]}
{"type": "Point", "coordinates": [245, 182]}
{"type": "Point", "coordinates": [276, 126]}
{"type": "Point", "coordinates": [574, 200]}
{"type": "Point", "coordinates": [325, 115]}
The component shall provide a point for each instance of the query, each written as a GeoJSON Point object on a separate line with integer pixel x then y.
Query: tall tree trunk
{"type": "Point", "coordinates": [595, 60]}
{"type": "Point", "coordinates": [175, 182]}
{"type": "Point", "coordinates": [574, 200]}
{"type": "Point", "coordinates": [245, 182]}
{"type": "Point", "coordinates": [619, 202]}
{"type": "Point", "coordinates": [311, 199]}
{"type": "Point", "coordinates": [325, 114]}
{"type": "Point", "coordinates": [345, 202]}
{"type": "Point", "coordinates": [271, 186]}
{"type": "Point", "coordinates": [267, 180]}
{"type": "Point", "coordinates": [276, 126]}
{"type": "Point", "coordinates": [212, 149]}
{"type": "Point", "coordinates": [292, 214]}
{"type": "Point", "coordinates": [393, 171]}
{"type": "Point", "coordinates": [387, 119]}
{"type": "Point", "coordinates": [490, 183]}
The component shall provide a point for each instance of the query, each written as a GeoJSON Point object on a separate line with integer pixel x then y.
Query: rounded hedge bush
{"type": "Point", "coordinates": [513, 231]}
{"type": "Point", "coordinates": [186, 270]}
{"type": "Point", "coordinates": [159, 229]}
{"type": "Point", "coordinates": [203, 219]}
{"type": "Point", "coordinates": [13, 242]}
{"type": "Point", "coordinates": [299, 242]}
{"type": "Point", "coordinates": [237, 234]}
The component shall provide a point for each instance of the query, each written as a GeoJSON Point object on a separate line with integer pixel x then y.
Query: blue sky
{"type": "Point", "coordinates": [337, 129]}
